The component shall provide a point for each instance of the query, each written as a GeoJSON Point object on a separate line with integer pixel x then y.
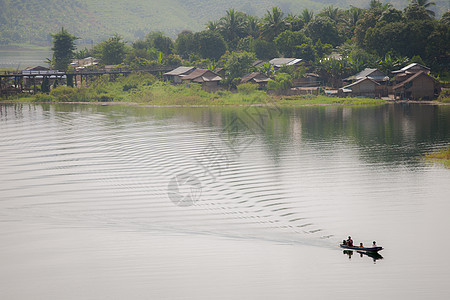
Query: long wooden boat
{"type": "Point", "coordinates": [364, 249]}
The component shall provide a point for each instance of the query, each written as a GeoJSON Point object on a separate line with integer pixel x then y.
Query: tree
{"type": "Point", "coordinates": [163, 43]}
{"type": "Point", "coordinates": [63, 49]}
{"type": "Point", "coordinates": [233, 26]}
{"type": "Point", "coordinates": [324, 29]}
{"type": "Point", "coordinates": [282, 81]}
{"type": "Point", "coordinates": [273, 23]}
{"type": "Point", "coordinates": [427, 5]}
{"type": "Point", "coordinates": [287, 42]}
{"type": "Point", "coordinates": [264, 50]}
{"type": "Point", "coordinates": [416, 12]}
{"type": "Point", "coordinates": [332, 12]}
{"type": "Point", "coordinates": [391, 15]}
{"type": "Point", "coordinates": [210, 44]}
{"type": "Point", "coordinates": [111, 51]}
{"type": "Point", "coordinates": [307, 15]}
{"type": "Point", "coordinates": [185, 44]}
{"type": "Point", "coordinates": [238, 64]}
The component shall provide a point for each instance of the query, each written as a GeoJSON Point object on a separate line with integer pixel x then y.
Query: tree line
{"type": "Point", "coordinates": [378, 36]}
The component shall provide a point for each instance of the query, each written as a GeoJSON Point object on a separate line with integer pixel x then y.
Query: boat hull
{"type": "Point", "coordinates": [365, 249]}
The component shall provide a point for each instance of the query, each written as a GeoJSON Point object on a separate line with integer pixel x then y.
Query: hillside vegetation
{"type": "Point", "coordinates": [32, 21]}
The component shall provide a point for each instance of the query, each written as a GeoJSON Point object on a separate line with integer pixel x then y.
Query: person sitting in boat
{"type": "Point", "coordinates": [374, 244]}
{"type": "Point", "coordinates": [350, 241]}
{"type": "Point", "coordinates": [361, 245]}
{"type": "Point", "coordinates": [344, 242]}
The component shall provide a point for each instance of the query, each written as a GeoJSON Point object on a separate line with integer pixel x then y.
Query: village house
{"type": "Point", "coordinates": [408, 71]}
{"type": "Point", "coordinates": [418, 86]}
{"type": "Point", "coordinates": [373, 74]}
{"type": "Point", "coordinates": [310, 80]}
{"type": "Point", "coordinates": [257, 78]}
{"type": "Point", "coordinates": [365, 87]}
{"type": "Point", "coordinates": [175, 75]}
{"type": "Point", "coordinates": [208, 79]}
{"type": "Point", "coordinates": [80, 64]}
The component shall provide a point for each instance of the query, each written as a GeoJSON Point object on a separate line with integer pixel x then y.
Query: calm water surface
{"type": "Point", "coordinates": [117, 202]}
{"type": "Point", "coordinates": [21, 59]}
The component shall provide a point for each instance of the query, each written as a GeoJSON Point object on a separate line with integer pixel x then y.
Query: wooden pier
{"type": "Point", "coordinates": [15, 83]}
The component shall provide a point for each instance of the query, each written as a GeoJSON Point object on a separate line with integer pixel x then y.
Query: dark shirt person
{"type": "Point", "coordinates": [350, 241]}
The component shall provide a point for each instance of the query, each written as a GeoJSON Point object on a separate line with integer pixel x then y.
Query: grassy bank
{"type": "Point", "coordinates": [442, 156]}
{"type": "Point", "coordinates": [146, 89]}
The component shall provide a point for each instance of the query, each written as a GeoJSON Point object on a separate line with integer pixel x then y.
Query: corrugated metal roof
{"type": "Point", "coordinates": [279, 62]}
{"type": "Point", "coordinates": [411, 66]}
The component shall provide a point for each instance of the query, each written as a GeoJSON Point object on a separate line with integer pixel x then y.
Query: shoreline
{"type": "Point", "coordinates": [269, 104]}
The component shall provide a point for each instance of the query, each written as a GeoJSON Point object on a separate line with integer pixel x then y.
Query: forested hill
{"type": "Point", "coordinates": [32, 21]}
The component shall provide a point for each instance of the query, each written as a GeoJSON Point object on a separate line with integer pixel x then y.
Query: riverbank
{"type": "Point", "coordinates": [146, 90]}
{"type": "Point", "coordinates": [442, 157]}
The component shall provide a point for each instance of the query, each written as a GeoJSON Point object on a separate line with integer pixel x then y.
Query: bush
{"type": "Point", "coordinates": [63, 93]}
{"type": "Point", "coordinates": [444, 97]}
{"type": "Point", "coordinates": [42, 98]}
{"type": "Point", "coordinates": [247, 88]}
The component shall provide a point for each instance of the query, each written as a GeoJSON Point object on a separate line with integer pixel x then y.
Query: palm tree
{"type": "Point", "coordinates": [212, 25]}
{"type": "Point", "coordinates": [377, 5]}
{"type": "Point", "coordinates": [427, 5]}
{"type": "Point", "coordinates": [273, 23]}
{"type": "Point", "coordinates": [233, 26]}
{"type": "Point", "coordinates": [253, 26]}
{"type": "Point", "coordinates": [307, 15]}
{"type": "Point", "coordinates": [332, 12]}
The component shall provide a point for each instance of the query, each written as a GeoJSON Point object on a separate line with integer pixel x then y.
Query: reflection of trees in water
{"type": "Point", "coordinates": [386, 133]}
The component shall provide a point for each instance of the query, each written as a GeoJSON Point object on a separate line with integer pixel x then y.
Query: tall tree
{"type": "Point", "coordinates": [233, 26]}
{"type": "Point", "coordinates": [210, 44]}
{"type": "Point", "coordinates": [112, 51]}
{"type": "Point", "coordinates": [307, 15]}
{"type": "Point", "coordinates": [63, 49]}
{"type": "Point", "coordinates": [273, 23]}
{"type": "Point", "coordinates": [427, 5]}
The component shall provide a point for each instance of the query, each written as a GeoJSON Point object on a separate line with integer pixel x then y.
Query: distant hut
{"type": "Point", "coordinates": [176, 74]}
{"type": "Point", "coordinates": [418, 86]}
{"type": "Point", "coordinates": [366, 87]}
{"type": "Point", "coordinates": [207, 78]}
{"type": "Point", "coordinates": [256, 77]}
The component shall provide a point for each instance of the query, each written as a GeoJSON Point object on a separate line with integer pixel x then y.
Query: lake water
{"type": "Point", "coordinates": [21, 59]}
{"type": "Point", "coordinates": [123, 202]}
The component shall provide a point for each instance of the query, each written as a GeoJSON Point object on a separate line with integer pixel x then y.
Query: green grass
{"type": "Point", "coordinates": [442, 156]}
